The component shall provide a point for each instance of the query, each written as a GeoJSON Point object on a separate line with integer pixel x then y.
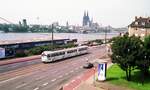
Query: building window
{"type": "Point", "coordinates": [142, 29]}
{"type": "Point", "coordinates": [143, 23]}
{"type": "Point", "coordinates": [142, 35]}
{"type": "Point", "coordinates": [136, 35]}
{"type": "Point", "coordinates": [148, 21]}
{"type": "Point", "coordinates": [136, 23]}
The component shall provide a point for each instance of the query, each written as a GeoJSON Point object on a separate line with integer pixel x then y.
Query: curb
{"type": "Point", "coordinates": [18, 60]}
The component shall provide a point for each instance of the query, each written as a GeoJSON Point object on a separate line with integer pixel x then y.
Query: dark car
{"type": "Point", "coordinates": [88, 65]}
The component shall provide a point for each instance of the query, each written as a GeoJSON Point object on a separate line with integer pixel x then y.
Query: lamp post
{"type": "Point", "coordinates": [94, 76]}
{"type": "Point", "coordinates": [105, 38]}
{"type": "Point", "coordinates": [52, 37]}
{"type": "Point", "coordinates": [105, 35]}
{"type": "Point", "coordinates": [146, 32]}
{"type": "Point", "coordinates": [94, 71]}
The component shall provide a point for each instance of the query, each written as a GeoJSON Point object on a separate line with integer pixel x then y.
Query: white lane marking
{"type": "Point", "coordinates": [19, 86]}
{"type": "Point", "coordinates": [14, 78]}
{"type": "Point", "coordinates": [72, 80]}
{"type": "Point", "coordinates": [66, 67]}
{"type": "Point", "coordinates": [60, 76]}
{"type": "Point", "coordinates": [54, 71]}
{"type": "Point", "coordinates": [36, 88]}
{"type": "Point", "coordinates": [76, 68]}
{"type": "Point", "coordinates": [71, 71]}
{"type": "Point", "coordinates": [10, 79]}
{"type": "Point", "coordinates": [40, 78]}
{"type": "Point", "coordinates": [79, 77]}
{"type": "Point", "coordinates": [53, 80]}
{"type": "Point", "coordinates": [45, 84]}
{"type": "Point", "coordinates": [66, 73]}
{"type": "Point", "coordinates": [67, 84]}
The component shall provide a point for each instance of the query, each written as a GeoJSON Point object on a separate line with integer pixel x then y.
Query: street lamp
{"type": "Point", "coordinates": [105, 38]}
{"type": "Point", "coordinates": [94, 75]}
{"type": "Point", "coordinates": [146, 32]}
{"type": "Point", "coordinates": [52, 36]}
{"type": "Point", "coordinates": [105, 34]}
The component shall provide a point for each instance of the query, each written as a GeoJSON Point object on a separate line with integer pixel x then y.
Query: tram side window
{"type": "Point", "coordinates": [71, 51]}
{"type": "Point", "coordinates": [81, 49]}
{"type": "Point", "coordinates": [62, 53]}
{"type": "Point", "coordinates": [48, 55]}
{"type": "Point", "coordinates": [57, 54]}
{"type": "Point", "coordinates": [53, 55]}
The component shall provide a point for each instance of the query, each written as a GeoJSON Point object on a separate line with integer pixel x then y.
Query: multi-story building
{"type": "Point", "coordinates": [140, 27]}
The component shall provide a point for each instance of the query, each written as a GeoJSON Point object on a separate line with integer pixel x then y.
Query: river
{"type": "Point", "coordinates": [33, 36]}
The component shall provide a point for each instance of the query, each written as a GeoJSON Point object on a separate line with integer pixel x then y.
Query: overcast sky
{"type": "Point", "coordinates": [117, 13]}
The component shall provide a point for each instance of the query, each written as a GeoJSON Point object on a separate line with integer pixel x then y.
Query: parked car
{"type": "Point", "coordinates": [88, 65]}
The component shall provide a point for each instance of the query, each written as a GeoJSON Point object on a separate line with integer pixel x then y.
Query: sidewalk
{"type": "Point", "coordinates": [85, 81]}
{"type": "Point", "coordinates": [90, 83]}
{"type": "Point", "coordinates": [17, 60]}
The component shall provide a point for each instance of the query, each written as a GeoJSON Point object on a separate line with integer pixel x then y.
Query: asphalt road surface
{"type": "Point", "coordinates": [51, 76]}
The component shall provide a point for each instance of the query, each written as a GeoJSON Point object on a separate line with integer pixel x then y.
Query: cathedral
{"type": "Point", "coordinates": [86, 19]}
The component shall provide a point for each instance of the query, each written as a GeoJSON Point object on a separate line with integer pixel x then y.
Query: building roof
{"type": "Point", "coordinates": [141, 22]}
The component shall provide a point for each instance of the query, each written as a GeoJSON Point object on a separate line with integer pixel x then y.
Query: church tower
{"type": "Point", "coordinates": [87, 16]}
{"type": "Point", "coordinates": [86, 19]}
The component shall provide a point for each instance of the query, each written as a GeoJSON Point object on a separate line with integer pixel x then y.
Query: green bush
{"type": "Point", "coordinates": [40, 49]}
{"type": "Point", "coordinates": [99, 41]}
{"type": "Point", "coordinates": [23, 54]}
{"type": "Point", "coordinates": [96, 42]}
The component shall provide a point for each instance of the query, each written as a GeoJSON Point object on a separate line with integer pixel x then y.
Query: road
{"type": "Point", "coordinates": [49, 76]}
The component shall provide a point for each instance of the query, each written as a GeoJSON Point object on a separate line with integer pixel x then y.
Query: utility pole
{"type": "Point", "coordinates": [52, 37]}
{"type": "Point", "coordinates": [146, 32]}
{"type": "Point", "coordinates": [105, 38]}
{"type": "Point", "coordinates": [94, 76]}
{"type": "Point", "coordinates": [105, 35]}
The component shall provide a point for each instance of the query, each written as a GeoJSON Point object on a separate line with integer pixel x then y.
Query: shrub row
{"type": "Point", "coordinates": [38, 50]}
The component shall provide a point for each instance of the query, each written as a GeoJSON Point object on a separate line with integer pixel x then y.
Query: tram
{"type": "Point", "coordinates": [50, 56]}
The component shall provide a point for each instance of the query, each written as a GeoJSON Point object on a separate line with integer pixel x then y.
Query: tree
{"type": "Point", "coordinates": [5, 28]}
{"type": "Point", "coordinates": [145, 52]}
{"type": "Point", "coordinates": [143, 58]}
{"type": "Point", "coordinates": [125, 49]}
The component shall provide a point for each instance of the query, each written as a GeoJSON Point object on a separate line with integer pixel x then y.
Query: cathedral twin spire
{"type": "Point", "coordinates": [86, 13]}
{"type": "Point", "coordinates": [86, 19]}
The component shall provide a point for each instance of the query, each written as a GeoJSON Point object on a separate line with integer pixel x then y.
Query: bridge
{"type": "Point", "coordinates": [3, 19]}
